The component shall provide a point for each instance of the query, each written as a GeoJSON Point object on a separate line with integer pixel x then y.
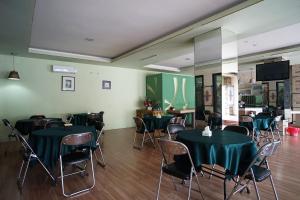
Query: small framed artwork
{"type": "Point", "coordinates": [272, 96]}
{"type": "Point", "coordinates": [106, 85]}
{"type": "Point", "coordinates": [68, 83]}
{"type": "Point", "coordinates": [208, 96]}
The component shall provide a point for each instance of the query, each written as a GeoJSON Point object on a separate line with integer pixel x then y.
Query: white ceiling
{"type": "Point", "coordinates": [115, 26]}
{"type": "Point", "coordinates": [275, 39]}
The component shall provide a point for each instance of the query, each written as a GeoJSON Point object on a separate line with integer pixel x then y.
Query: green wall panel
{"type": "Point", "coordinates": [171, 90]}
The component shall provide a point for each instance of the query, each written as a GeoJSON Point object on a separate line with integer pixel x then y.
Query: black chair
{"type": "Point", "coordinates": [184, 170]}
{"type": "Point", "coordinates": [178, 120]}
{"type": "Point", "coordinates": [28, 156]}
{"type": "Point", "coordinates": [37, 117]}
{"type": "Point", "coordinates": [215, 121]}
{"type": "Point", "coordinates": [238, 129]}
{"type": "Point", "coordinates": [173, 129]}
{"type": "Point", "coordinates": [54, 124]}
{"type": "Point", "coordinates": [141, 129]}
{"type": "Point", "coordinates": [76, 158]}
{"type": "Point", "coordinates": [257, 171]}
{"type": "Point", "coordinates": [96, 119]}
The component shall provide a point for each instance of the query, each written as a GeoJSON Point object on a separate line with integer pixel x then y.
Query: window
{"type": "Point", "coordinates": [199, 93]}
{"type": "Point", "coordinates": [217, 92]}
{"type": "Point", "coordinates": [280, 94]}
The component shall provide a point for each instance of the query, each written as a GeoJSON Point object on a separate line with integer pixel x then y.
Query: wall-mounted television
{"type": "Point", "coordinates": [273, 71]}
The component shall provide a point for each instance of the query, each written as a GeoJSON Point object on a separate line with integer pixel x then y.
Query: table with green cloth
{"type": "Point", "coordinates": [80, 119]}
{"type": "Point", "coordinates": [152, 123]}
{"type": "Point", "coordinates": [231, 150]}
{"type": "Point", "coordinates": [259, 123]}
{"type": "Point", "coordinates": [46, 142]}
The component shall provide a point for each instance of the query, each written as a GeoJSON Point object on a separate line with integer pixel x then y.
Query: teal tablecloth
{"type": "Point", "coordinates": [46, 142]}
{"type": "Point", "coordinates": [153, 122]}
{"type": "Point", "coordinates": [79, 119]}
{"type": "Point", "coordinates": [230, 150]}
{"type": "Point", "coordinates": [259, 123]}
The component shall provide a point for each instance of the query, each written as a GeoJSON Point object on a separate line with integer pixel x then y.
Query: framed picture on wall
{"type": "Point", "coordinates": [208, 96]}
{"type": "Point", "coordinates": [106, 85]}
{"type": "Point", "coordinates": [272, 96]}
{"type": "Point", "coordinates": [68, 83]}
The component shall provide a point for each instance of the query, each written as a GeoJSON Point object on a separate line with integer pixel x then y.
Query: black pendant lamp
{"type": "Point", "coordinates": [13, 75]}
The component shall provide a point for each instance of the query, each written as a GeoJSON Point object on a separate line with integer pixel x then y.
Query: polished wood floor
{"type": "Point", "coordinates": [133, 174]}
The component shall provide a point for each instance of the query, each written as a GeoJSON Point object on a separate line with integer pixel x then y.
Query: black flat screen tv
{"type": "Point", "coordinates": [273, 71]}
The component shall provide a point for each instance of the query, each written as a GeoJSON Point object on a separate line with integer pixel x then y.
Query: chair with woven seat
{"type": "Point", "coordinates": [75, 158]}
{"type": "Point", "coordinates": [257, 171]}
{"type": "Point", "coordinates": [28, 156]}
{"type": "Point", "coordinates": [141, 129]}
{"type": "Point", "coordinates": [173, 129]}
{"type": "Point", "coordinates": [183, 169]}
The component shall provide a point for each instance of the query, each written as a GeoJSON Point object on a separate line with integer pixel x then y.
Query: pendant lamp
{"type": "Point", "coordinates": [13, 75]}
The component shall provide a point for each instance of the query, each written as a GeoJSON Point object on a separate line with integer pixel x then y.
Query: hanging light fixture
{"type": "Point", "coordinates": [13, 75]}
{"type": "Point", "coordinates": [252, 80]}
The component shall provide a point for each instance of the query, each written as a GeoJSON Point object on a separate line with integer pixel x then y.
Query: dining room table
{"type": "Point", "coordinates": [230, 150]}
{"type": "Point", "coordinates": [157, 123]}
{"type": "Point", "coordinates": [259, 123]}
{"type": "Point", "coordinates": [46, 143]}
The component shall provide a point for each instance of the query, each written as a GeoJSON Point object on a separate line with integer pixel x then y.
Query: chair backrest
{"type": "Point", "coordinates": [238, 129]}
{"type": "Point", "coordinates": [215, 120]}
{"type": "Point", "coordinates": [175, 128]}
{"type": "Point", "coordinates": [178, 120]}
{"type": "Point", "coordinates": [53, 124]}
{"type": "Point", "coordinates": [171, 148]}
{"type": "Point", "coordinates": [77, 139]}
{"type": "Point", "coordinates": [139, 125]}
{"type": "Point", "coordinates": [69, 118]}
{"type": "Point", "coordinates": [101, 113]}
{"type": "Point", "coordinates": [245, 118]}
{"type": "Point", "coordinates": [263, 114]}
{"type": "Point", "coordinates": [262, 154]}
{"type": "Point", "coordinates": [37, 117]}
{"type": "Point", "coordinates": [7, 124]}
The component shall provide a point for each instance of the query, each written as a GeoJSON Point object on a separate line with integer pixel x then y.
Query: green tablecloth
{"type": "Point", "coordinates": [79, 119]}
{"type": "Point", "coordinates": [46, 142]}
{"type": "Point", "coordinates": [262, 122]}
{"type": "Point", "coordinates": [153, 122]}
{"type": "Point", "coordinates": [227, 149]}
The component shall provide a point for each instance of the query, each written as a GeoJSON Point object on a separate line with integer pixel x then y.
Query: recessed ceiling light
{"type": "Point", "coordinates": [89, 39]}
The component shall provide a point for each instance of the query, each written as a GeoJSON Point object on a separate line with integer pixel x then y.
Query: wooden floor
{"type": "Point", "coordinates": [133, 174]}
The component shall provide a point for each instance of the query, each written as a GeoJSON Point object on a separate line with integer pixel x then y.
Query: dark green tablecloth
{"type": "Point", "coordinates": [79, 119]}
{"type": "Point", "coordinates": [259, 123]}
{"type": "Point", "coordinates": [227, 149]}
{"type": "Point", "coordinates": [46, 142]}
{"type": "Point", "coordinates": [153, 122]}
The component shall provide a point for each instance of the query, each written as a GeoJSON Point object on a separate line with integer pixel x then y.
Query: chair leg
{"type": "Point", "coordinates": [160, 177]}
{"type": "Point", "coordinates": [21, 170]}
{"type": "Point", "coordinates": [212, 168]}
{"type": "Point", "coordinates": [273, 186]}
{"type": "Point", "coordinates": [48, 172]}
{"type": "Point", "coordinates": [102, 162]}
{"type": "Point", "coordinates": [22, 178]}
{"type": "Point", "coordinates": [190, 184]}
{"type": "Point", "coordinates": [143, 140]}
{"type": "Point", "coordinates": [198, 183]}
{"type": "Point", "coordinates": [151, 139]}
{"type": "Point", "coordinates": [255, 185]}
{"type": "Point", "coordinates": [134, 139]}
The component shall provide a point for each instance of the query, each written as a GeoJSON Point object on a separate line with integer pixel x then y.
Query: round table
{"type": "Point", "coordinates": [46, 142]}
{"type": "Point", "coordinates": [153, 123]}
{"type": "Point", "coordinates": [231, 150]}
{"type": "Point", "coordinates": [26, 126]}
{"type": "Point", "coordinates": [79, 119]}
